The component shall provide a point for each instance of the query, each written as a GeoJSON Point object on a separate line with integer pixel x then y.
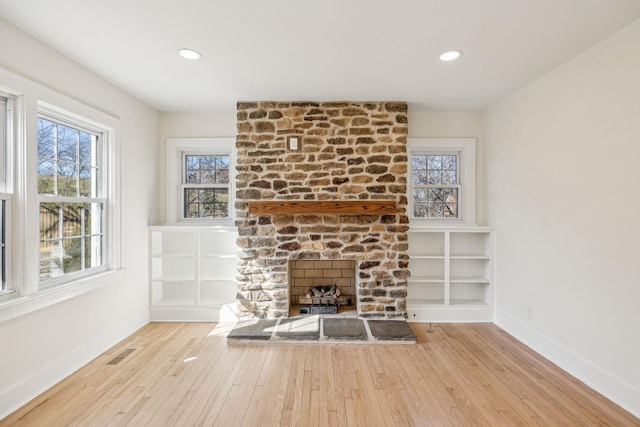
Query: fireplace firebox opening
{"type": "Point", "coordinates": [322, 286]}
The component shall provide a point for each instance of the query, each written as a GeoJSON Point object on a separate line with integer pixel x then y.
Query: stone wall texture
{"type": "Point", "coordinates": [350, 150]}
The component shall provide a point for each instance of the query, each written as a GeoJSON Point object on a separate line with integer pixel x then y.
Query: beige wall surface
{"type": "Point", "coordinates": [561, 171]}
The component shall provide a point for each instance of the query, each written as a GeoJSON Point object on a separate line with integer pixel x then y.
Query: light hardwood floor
{"type": "Point", "coordinates": [186, 375]}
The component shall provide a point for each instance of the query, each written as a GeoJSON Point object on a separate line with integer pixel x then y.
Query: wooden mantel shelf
{"type": "Point", "coordinates": [311, 207]}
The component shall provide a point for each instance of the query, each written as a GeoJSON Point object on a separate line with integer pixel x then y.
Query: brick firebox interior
{"type": "Point", "coordinates": [346, 151]}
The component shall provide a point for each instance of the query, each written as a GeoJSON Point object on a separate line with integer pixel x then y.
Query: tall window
{"type": "Point", "coordinates": [205, 186]}
{"type": "Point", "coordinates": [3, 246]}
{"type": "Point", "coordinates": [59, 197]}
{"type": "Point", "coordinates": [442, 177]}
{"type": "Point", "coordinates": [72, 198]}
{"type": "Point", "coordinates": [5, 194]}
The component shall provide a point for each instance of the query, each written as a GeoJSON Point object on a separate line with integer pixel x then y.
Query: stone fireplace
{"type": "Point", "coordinates": [346, 151]}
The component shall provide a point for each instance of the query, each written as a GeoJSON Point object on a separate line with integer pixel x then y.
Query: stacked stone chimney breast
{"type": "Point", "coordinates": [349, 151]}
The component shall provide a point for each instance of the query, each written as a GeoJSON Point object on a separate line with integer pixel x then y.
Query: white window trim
{"type": "Point", "coordinates": [14, 188]}
{"type": "Point", "coordinates": [6, 185]}
{"type": "Point", "coordinates": [466, 149]}
{"type": "Point", "coordinates": [107, 147]}
{"type": "Point", "coordinates": [176, 148]}
{"type": "Point", "coordinates": [28, 296]}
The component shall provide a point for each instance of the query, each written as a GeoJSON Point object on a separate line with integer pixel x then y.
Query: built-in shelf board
{"type": "Point", "coordinates": [451, 274]}
{"type": "Point", "coordinates": [424, 279]}
{"type": "Point", "coordinates": [314, 207]}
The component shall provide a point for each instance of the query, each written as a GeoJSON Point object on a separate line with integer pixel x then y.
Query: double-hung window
{"type": "Point", "coordinates": [442, 177]}
{"type": "Point", "coordinates": [200, 180]}
{"type": "Point", "coordinates": [436, 185]}
{"type": "Point", "coordinates": [72, 197]}
{"type": "Point", "coordinates": [5, 193]}
{"type": "Point", "coordinates": [205, 185]}
{"type": "Point", "coordinates": [59, 197]}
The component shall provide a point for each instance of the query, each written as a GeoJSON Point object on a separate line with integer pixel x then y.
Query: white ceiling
{"type": "Point", "coordinates": [320, 50]}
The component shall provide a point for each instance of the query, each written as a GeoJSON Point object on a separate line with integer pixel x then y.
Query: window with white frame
{"type": "Point", "coordinates": [199, 184]}
{"type": "Point", "coordinates": [205, 185]}
{"type": "Point", "coordinates": [72, 196]}
{"type": "Point", "coordinates": [59, 197]}
{"type": "Point", "coordinates": [442, 179]}
{"type": "Point", "coordinates": [436, 185]}
{"type": "Point", "coordinates": [5, 193]}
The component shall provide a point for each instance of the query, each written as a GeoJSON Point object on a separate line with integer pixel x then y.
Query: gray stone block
{"type": "Point", "coordinates": [391, 330]}
{"type": "Point", "coordinates": [345, 329]}
{"type": "Point", "coordinates": [305, 328]}
{"type": "Point", "coordinates": [252, 330]}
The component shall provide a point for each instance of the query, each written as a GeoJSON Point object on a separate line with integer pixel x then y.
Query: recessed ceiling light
{"type": "Point", "coordinates": [450, 55]}
{"type": "Point", "coordinates": [189, 53]}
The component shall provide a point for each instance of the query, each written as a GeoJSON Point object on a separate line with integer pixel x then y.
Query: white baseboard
{"type": "Point", "coordinates": [16, 395]}
{"type": "Point", "coordinates": [619, 392]}
{"type": "Point", "coordinates": [222, 313]}
{"type": "Point", "coordinates": [420, 313]}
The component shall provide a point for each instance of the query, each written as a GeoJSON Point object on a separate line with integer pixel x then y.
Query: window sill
{"type": "Point", "coordinates": [440, 222]}
{"type": "Point", "coordinates": [13, 305]}
{"type": "Point", "coordinates": [203, 223]}
{"type": "Point", "coordinates": [194, 227]}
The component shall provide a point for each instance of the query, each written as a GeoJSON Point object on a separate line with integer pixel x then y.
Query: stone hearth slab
{"type": "Point", "coordinates": [304, 328]}
{"type": "Point", "coordinates": [307, 330]}
{"type": "Point", "coordinates": [345, 329]}
{"type": "Point", "coordinates": [391, 330]}
{"type": "Point", "coordinates": [253, 330]}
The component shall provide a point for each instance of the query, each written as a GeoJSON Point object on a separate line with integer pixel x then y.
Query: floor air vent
{"type": "Point", "coordinates": [119, 358]}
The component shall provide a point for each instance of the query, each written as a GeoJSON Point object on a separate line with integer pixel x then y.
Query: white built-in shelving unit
{"type": "Point", "coordinates": [193, 269]}
{"type": "Point", "coordinates": [192, 273]}
{"type": "Point", "coordinates": [451, 274]}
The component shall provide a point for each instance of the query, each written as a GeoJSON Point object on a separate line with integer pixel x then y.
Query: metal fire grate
{"type": "Point", "coordinates": [341, 300]}
{"type": "Point", "coordinates": [319, 309]}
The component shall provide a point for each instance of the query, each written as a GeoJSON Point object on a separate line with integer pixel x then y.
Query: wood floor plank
{"type": "Point", "coordinates": [537, 374]}
{"type": "Point", "coordinates": [275, 400]}
{"type": "Point", "coordinates": [208, 358]}
{"type": "Point", "coordinates": [185, 374]}
{"type": "Point", "coordinates": [514, 388]}
{"type": "Point", "coordinates": [429, 403]}
{"type": "Point", "coordinates": [226, 389]}
{"type": "Point", "coordinates": [473, 386]}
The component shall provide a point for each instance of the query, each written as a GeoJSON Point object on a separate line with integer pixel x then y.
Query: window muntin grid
{"type": "Point", "coordinates": [205, 186]}
{"type": "Point", "coordinates": [435, 179]}
{"type": "Point", "coordinates": [71, 204]}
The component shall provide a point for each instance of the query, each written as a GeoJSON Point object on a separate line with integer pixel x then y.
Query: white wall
{"type": "Point", "coordinates": [562, 175]}
{"type": "Point", "coordinates": [40, 348]}
{"type": "Point", "coordinates": [188, 125]}
{"type": "Point", "coordinates": [451, 124]}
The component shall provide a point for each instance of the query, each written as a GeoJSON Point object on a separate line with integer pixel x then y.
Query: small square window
{"type": "Point", "coordinates": [442, 173]}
